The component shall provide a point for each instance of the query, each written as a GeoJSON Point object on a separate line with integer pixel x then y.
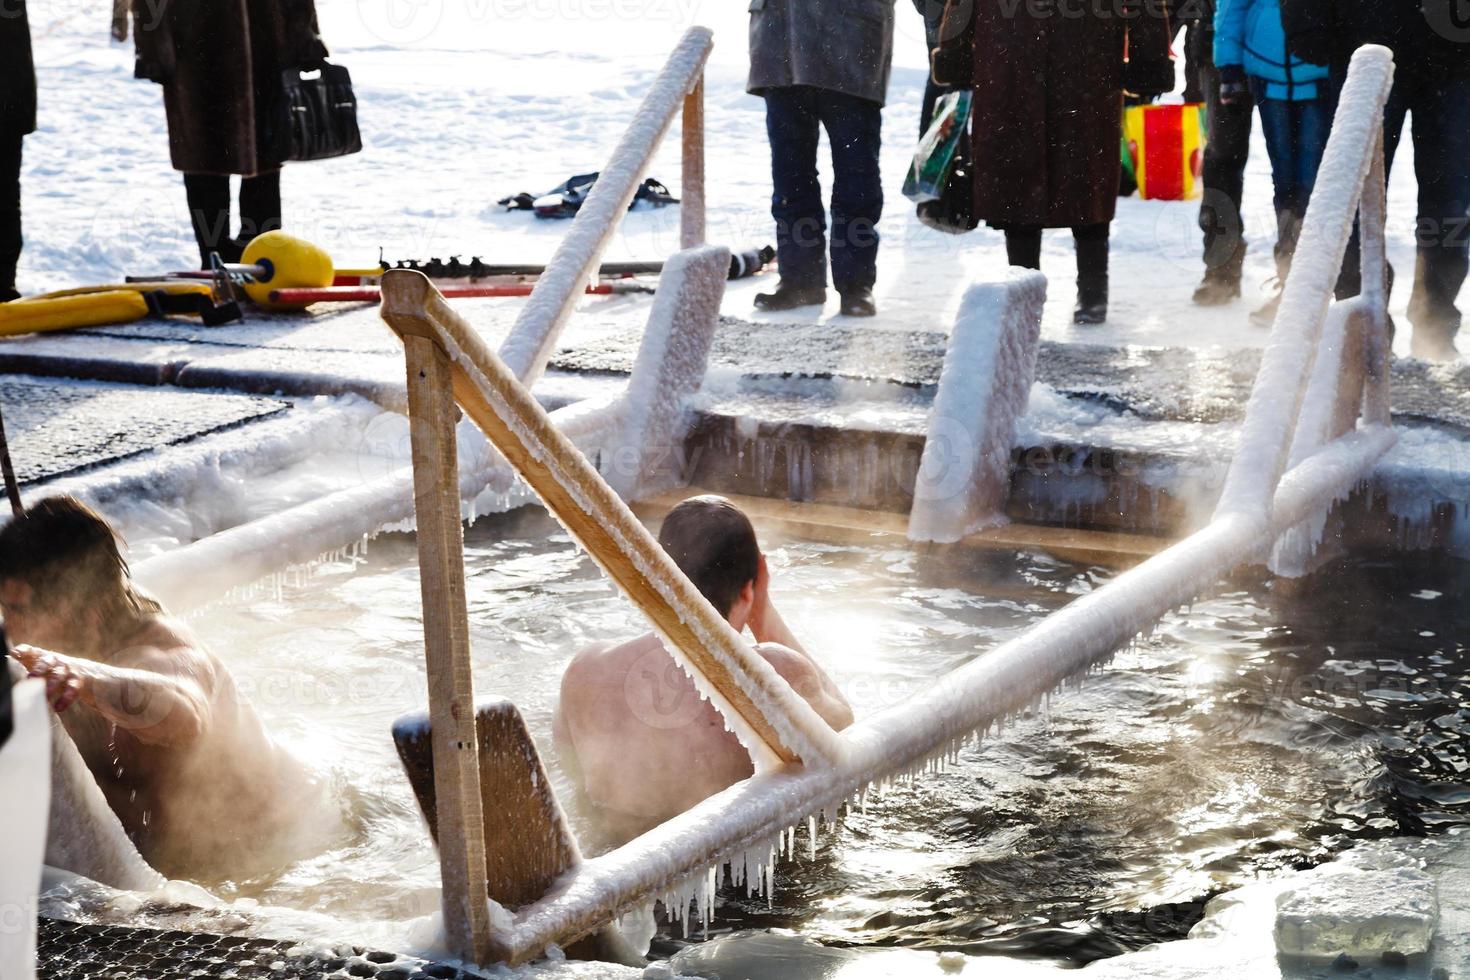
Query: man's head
{"type": "Point", "coordinates": [60, 569]}
{"type": "Point", "coordinates": [714, 543]}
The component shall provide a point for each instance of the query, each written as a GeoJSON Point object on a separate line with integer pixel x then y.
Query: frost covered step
{"type": "Point", "coordinates": [1363, 913]}
{"type": "Point", "coordinates": [57, 426]}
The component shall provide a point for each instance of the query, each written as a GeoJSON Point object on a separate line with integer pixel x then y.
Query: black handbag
{"type": "Point", "coordinates": [321, 114]}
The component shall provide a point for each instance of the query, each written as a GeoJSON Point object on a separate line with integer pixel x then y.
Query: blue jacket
{"type": "Point", "coordinates": [1248, 33]}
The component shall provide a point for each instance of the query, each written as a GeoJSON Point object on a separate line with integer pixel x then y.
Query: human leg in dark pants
{"type": "Point", "coordinates": [854, 131]}
{"type": "Point", "coordinates": [209, 212]}
{"type": "Point", "coordinates": [10, 236]}
{"type": "Point", "coordinates": [1023, 249]}
{"type": "Point", "coordinates": [1091, 242]}
{"type": "Point", "coordinates": [260, 205]}
{"type": "Point", "coordinates": [793, 124]}
{"type": "Point", "coordinates": [1023, 246]}
{"type": "Point", "coordinates": [1223, 177]}
{"type": "Point", "coordinates": [1440, 122]}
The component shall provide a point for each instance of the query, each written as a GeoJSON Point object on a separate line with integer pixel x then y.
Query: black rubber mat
{"type": "Point", "coordinates": [79, 951]}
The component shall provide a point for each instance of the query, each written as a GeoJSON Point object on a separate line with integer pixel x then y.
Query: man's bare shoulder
{"type": "Point", "coordinates": [598, 657]}
{"type": "Point", "coordinates": [780, 656]}
{"type": "Point", "coordinates": [161, 640]}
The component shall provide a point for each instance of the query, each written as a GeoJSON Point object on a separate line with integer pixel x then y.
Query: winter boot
{"type": "Point", "coordinates": [1433, 342]}
{"type": "Point", "coordinates": [858, 301]}
{"type": "Point", "coordinates": [1265, 316]}
{"type": "Point", "coordinates": [1221, 282]}
{"type": "Point", "coordinates": [1092, 273]}
{"type": "Point", "coordinates": [789, 296]}
{"type": "Point", "coordinates": [1092, 300]}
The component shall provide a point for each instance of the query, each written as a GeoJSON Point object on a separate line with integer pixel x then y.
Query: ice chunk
{"type": "Point", "coordinates": [1364, 913]}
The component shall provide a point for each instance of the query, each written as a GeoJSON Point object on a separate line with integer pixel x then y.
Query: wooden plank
{"type": "Point", "coordinates": [460, 824]}
{"type": "Point", "coordinates": [733, 674]}
{"type": "Point", "coordinates": [828, 522]}
{"type": "Point", "coordinates": [528, 844]}
{"type": "Point", "coordinates": [691, 190]}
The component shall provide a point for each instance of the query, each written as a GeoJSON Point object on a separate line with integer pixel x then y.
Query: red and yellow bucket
{"type": "Point", "coordinates": [1165, 145]}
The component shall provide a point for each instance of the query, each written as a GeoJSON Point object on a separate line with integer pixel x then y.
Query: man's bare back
{"type": "Point", "coordinates": [182, 758]}
{"type": "Point", "coordinates": [645, 745]}
{"type": "Point", "coordinates": [631, 726]}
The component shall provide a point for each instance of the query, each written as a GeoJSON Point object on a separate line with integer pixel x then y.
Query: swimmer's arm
{"type": "Point", "coordinates": [157, 696]}
{"type": "Point", "coordinates": [811, 682]}
{"type": "Point", "coordinates": [765, 622]}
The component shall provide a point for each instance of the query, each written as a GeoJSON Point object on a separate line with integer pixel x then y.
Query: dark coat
{"type": "Point", "coordinates": [220, 64]}
{"type": "Point", "coordinates": [1048, 103]}
{"type": "Point", "coordinates": [1429, 38]}
{"type": "Point", "coordinates": [841, 45]}
{"type": "Point", "coordinates": [17, 71]}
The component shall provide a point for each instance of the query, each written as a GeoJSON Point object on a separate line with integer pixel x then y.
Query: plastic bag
{"type": "Point", "coordinates": [939, 148]}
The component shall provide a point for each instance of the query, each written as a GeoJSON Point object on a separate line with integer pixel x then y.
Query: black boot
{"type": "Point", "coordinates": [1092, 300]}
{"type": "Point", "coordinates": [789, 296]}
{"type": "Point", "coordinates": [858, 301]}
{"type": "Point", "coordinates": [1092, 274]}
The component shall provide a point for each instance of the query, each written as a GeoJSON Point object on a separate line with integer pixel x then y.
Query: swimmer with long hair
{"type": "Point", "coordinates": [182, 758]}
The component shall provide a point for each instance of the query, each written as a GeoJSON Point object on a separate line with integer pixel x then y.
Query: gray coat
{"type": "Point", "coordinates": [842, 45]}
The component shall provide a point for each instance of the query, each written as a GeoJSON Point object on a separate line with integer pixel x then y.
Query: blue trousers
{"type": "Point", "coordinates": [795, 117]}
{"type": "Point", "coordinates": [1296, 134]}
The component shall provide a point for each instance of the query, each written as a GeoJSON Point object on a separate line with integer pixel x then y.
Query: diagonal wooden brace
{"type": "Point", "coordinates": [775, 724]}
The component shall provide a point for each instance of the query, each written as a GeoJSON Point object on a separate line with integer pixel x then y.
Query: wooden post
{"type": "Point", "coordinates": [741, 684]}
{"type": "Point", "coordinates": [691, 190]}
{"type": "Point", "coordinates": [461, 830]}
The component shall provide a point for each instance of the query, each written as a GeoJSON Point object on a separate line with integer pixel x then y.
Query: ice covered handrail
{"type": "Point", "coordinates": [680, 84]}
{"type": "Point", "coordinates": [1351, 171]}
{"type": "Point", "coordinates": [1262, 503]}
{"type": "Point", "coordinates": [774, 723]}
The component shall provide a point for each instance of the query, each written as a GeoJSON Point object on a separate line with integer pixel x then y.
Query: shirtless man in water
{"type": "Point", "coordinates": [184, 762]}
{"type": "Point", "coordinates": [630, 722]}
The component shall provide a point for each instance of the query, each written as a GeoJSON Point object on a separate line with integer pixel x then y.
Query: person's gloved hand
{"type": "Point", "coordinates": [1233, 89]}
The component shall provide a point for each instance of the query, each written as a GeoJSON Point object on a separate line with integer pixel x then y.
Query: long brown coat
{"type": "Point", "coordinates": [1048, 104]}
{"type": "Point", "coordinates": [220, 64]}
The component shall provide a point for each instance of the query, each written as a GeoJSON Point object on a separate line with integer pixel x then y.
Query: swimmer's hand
{"type": "Point", "coordinates": [65, 677]}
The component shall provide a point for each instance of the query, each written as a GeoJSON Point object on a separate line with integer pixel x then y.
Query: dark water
{"type": "Point", "coordinates": [1254, 731]}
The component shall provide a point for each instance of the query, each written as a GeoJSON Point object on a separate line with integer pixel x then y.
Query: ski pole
{"type": "Point", "coordinates": [371, 294]}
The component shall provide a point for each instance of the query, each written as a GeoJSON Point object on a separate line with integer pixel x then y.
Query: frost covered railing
{"type": "Point", "coordinates": [1316, 423]}
{"type": "Point", "coordinates": [301, 535]}
{"type": "Point", "coordinates": [558, 290]}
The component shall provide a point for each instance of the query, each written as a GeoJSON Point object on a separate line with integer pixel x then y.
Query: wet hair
{"type": "Point", "coordinates": [63, 549]}
{"type": "Point", "coordinates": [714, 543]}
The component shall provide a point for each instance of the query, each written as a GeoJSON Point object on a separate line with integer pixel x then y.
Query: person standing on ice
{"type": "Point", "coordinates": [823, 64]}
{"type": "Point", "coordinates": [199, 786]}
{"type": "Point", "coordinates": [221, 64]}
{"type": "Point", "coordinates": [1227, 149]}
{"type": "Point", "coordinates": [17, 118]}
{"type": "Point", "coordinates": [1049, 78]}
{"type": "Point", "coordinates": [1291, 97]}
{"type": "Point", "coordinates": [1430, 41]}
{"type": "Point", "coordinates": [630, 724]}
